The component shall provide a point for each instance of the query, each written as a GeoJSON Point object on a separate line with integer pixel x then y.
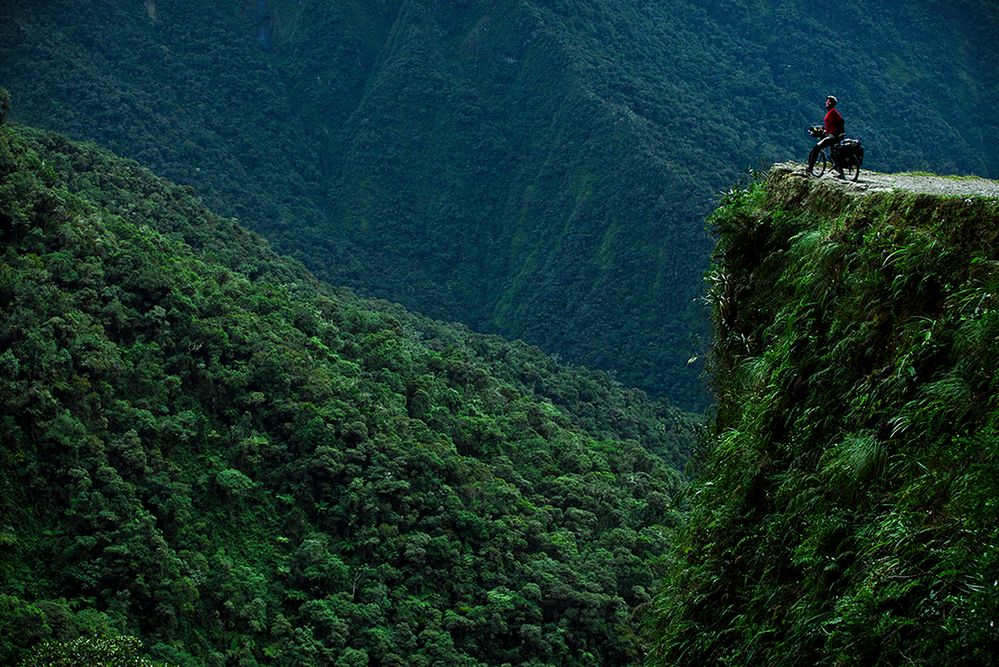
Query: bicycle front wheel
{"type": "Point", "coordinates": [819, 167]}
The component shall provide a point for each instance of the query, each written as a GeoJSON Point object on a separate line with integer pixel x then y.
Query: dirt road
{"type": "Point", "coordinates": [872, 181]}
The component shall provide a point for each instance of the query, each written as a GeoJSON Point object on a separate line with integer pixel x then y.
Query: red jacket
{"type": "Point", "coordinates": [834, 123]}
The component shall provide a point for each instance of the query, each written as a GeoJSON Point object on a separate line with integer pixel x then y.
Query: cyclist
{"type": "Point", "coordinates": [835, 128]}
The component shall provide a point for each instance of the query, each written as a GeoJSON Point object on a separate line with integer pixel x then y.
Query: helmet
{"type": "Point", "coordinates": [833, 99]}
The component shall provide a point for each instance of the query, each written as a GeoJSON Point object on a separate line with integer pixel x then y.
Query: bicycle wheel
{"type": "Point", "coordinates": [856, 167]}
{"type": "Point", "coordinates": [851, 170]}
{"type": "Point", "coordinates": [820, 165]}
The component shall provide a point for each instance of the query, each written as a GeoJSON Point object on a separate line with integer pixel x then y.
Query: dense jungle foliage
{"type": "Point", "coordinates": [535, 168]}
{"type": "Point", "coordinates": [846, 513]}
{"type": "Point", "coordinates": [206, 450]}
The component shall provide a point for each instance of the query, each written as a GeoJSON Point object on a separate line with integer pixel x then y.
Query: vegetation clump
{"type": "Point", "coordinates": [91, 651]}
{"type": "Point", "coordinates": [845, 513]}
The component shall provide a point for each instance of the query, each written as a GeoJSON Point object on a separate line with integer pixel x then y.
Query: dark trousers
{"type": "Point", "coordinates": [825, 143]}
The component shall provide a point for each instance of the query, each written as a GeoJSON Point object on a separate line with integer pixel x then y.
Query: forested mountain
{"type": "Point", "coordinates": [535, 168]}
{"type": "Point", "coordinates": [846, 512]}
{"type": "Point", "coordinates": [206, 449]}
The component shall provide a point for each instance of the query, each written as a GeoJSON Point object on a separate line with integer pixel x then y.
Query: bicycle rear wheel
{"type": "Point", "coordinates": [856, 167]}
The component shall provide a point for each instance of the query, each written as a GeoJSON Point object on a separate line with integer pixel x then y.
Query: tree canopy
{"type": "Point", "coordinates": [207, 450]}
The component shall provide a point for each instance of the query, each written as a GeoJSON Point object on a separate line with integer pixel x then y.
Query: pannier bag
{"type": "Point", "coordinates": [848, 148]}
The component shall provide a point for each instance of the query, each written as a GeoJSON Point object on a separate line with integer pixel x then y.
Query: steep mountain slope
{"type": "Point", "coordinates": [538, 169]}
{"type": "Point", "coordinates": [205, 448]}
{"type": "Point", "coordinates": [846, 513]}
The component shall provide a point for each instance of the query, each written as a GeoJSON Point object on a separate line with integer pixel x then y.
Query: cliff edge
{"type": "Point", "coordinates": [914, 182]}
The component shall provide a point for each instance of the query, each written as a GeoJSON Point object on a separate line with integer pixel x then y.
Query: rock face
{"type": "Point", "coordinates": [846, 512]}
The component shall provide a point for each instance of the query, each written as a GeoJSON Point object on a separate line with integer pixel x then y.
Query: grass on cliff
{"type": "Point", "coordinates": [846, 513]}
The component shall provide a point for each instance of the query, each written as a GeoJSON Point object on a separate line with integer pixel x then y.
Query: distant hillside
{"type": "Point", "coordinates": [205, 448]}
{"type": "Point", "coordinates": [846, 512]}
{"type": "Point", "coordinates": [530, 168]}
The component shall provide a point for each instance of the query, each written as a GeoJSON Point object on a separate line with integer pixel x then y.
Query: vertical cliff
{"type": "Point", "coordinates": [846, 512]}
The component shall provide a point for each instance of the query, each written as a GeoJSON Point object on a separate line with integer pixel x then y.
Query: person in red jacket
{"type": "Point", "coordinates": [835, 130]}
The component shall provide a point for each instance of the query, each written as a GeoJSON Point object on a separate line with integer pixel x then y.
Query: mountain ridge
{"type": "Point", "coordinates": [206, 448]}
